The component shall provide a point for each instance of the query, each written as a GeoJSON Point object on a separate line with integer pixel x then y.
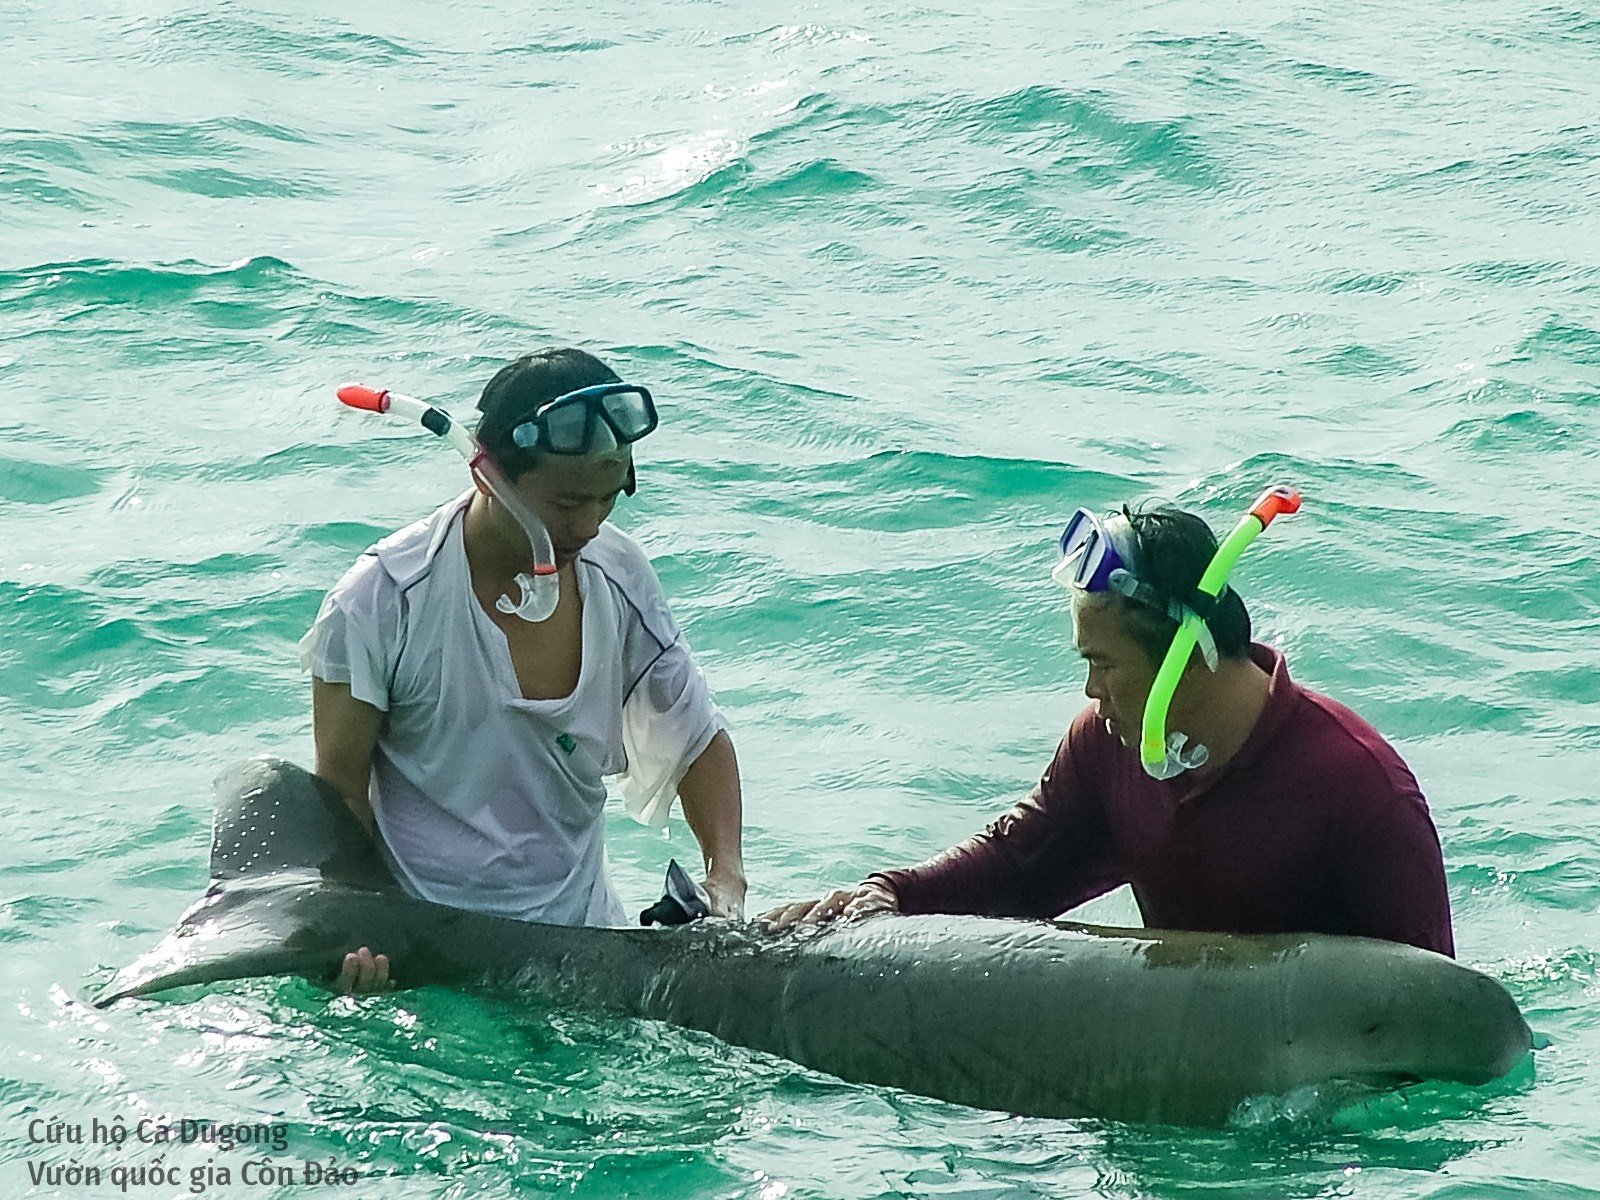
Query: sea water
{"type": "Point", "coordinates": [910, 283]}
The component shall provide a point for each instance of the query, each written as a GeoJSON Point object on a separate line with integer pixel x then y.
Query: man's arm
{"type": "Point", "coordinates": [346, 733]}
{"type": "Point", "coordinates": [1051, 852]}
{"type": "Point", "coordinates": [986, 875]}
{"type": "Point", "coordinates": [714, 807]}
{"type": "Point", "coordinates": [996, 873]}
{"type": "Point", "coordinates": [1391, 880]}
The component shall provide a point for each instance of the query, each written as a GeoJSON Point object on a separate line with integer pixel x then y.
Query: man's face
{"type": "Point", "coordinates": [574, 496]}
{"type": "Point", "coordinates": [1120, 672]}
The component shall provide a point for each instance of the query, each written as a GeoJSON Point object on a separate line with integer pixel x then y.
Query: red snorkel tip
{"type": "Point", "coordinates": [1275, 502]}
{"type": "Point", "coordinates": [359, 395]}
{"type": "Point", "coordinates": [545, 568]}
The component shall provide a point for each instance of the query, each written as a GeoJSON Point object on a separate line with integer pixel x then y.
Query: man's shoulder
{"type": "Point", "coordinates": [392, 564]}
{"type": "Point", "coordinates": [623, 564]}
{"type": "Point", "coordinates": [1089, 754]}
{"type": "Point", "coordinates": [611, 546]}
{"type": "Point", "coordinates": [407, 554]}
{"type": "Point", "coordinates": [1348, 746]}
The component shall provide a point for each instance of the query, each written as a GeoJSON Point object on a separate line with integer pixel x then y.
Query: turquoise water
{"type": "Point", "coordinates": [911, 284]}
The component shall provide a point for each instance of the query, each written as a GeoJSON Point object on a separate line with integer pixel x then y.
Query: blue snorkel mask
{"type": "Point", "coordinates": [1100, 555]}
{"type": "Point", "coordinates": [591, 420]}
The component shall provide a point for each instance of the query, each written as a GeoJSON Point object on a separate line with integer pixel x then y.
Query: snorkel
{"type": "Point", "coordinates": [541, 587]}
{"type": "Point", "coordinates": [1165, 755]}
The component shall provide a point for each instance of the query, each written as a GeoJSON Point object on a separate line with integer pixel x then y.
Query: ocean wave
{"type": "Point", "coordinates": [99, 281]}
{"type": "Point", "coordinates": [1377, 283]}
{"type": "Point", "coordinates": [1363, 362]}
{"type": "Point", "coordinates": [41, 184]}
{"type": "Point", "coordinates": [1558, 338]}
{"type": "Point", "coordinates": [296, 51]}
{"type": "Point", "coordinates": [1515, 434]}
{"type": "Point", "coordinates": [1085, 132]}
{"type": "Point", "coordinates": [24, 481]}
{"type": "Point", "coordinates": [561, 43]}
{"type": "Point", "coordinates": [1107, 372]}
{"type": "Point", "coordinates": [220, 183]}
{"type": "Point", "coordinates": [239, 312]}
{"type": "Point", "coordinates": [1044, 131]}
{"type": "Point", "coordinates": [1513, 273]}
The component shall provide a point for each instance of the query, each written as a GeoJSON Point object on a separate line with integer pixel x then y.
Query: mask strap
{"type": "Point", "coordinates": [1125, 584]}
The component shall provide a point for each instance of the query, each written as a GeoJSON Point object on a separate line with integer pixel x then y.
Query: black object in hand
{"type": "Point", "coordinates": [683, 901]}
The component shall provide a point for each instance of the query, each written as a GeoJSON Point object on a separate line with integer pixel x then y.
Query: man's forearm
{"type": "Point", "coordinates": [992, 873]}
{"type": "Point", "coordinates": [972, 878]}
{"type": "Point", "coordinates": [714, 807]}
{"type": "Point", "coordinates": [360, 807]}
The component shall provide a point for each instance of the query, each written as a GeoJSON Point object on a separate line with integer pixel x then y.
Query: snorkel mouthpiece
{"type": "Point", "coordinates": [541, 587]}
{"type": "Point", "coordinates": [1178, 757]}
{"type": "Point", "coordinates": [1164, 756]}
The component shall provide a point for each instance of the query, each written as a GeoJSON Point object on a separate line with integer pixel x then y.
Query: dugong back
{"type": "Point", "coordinates": [1056, 1020]}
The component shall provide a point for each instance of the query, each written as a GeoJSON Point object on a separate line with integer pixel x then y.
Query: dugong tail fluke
{"type": "Point", "coordinates": [1040, 1018]}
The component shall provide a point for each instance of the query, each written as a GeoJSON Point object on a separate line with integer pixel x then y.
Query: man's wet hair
{"type": "Point", "coordinates": [520, 389]}
{"type": "Point", "coordinates": [1174, 548]}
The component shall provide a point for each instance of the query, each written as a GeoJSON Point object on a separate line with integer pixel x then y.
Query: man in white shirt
{"type": "Point", "coordinates": [473, 742]}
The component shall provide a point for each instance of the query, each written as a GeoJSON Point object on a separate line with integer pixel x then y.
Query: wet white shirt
{"type": "Point", "coordinates": [485, 800]}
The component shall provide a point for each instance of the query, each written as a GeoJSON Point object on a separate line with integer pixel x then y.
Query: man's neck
{"type": "Point", "coordinates": [1232, 699]}
{"type": "Point", "coordinates": [497, 549]}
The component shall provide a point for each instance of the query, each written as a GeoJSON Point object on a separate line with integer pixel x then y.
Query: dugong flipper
{"type": "Point", "coordinates": [1034, 1017]}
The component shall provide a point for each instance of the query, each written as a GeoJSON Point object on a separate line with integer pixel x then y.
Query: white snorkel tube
{"type": "Point", "coordinates": [541, 587]}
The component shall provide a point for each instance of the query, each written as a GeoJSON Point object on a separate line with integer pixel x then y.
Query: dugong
{"type": "Point", "coordinates": [1041, 1018]}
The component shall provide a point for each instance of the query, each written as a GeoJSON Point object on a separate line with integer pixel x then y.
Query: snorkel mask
{"type": "Point", "coordinates": [540, 587]}
{"type": "Point", "coordinates": [1099, 556]}
{"type": "Point", "coordinates": [569, 424]}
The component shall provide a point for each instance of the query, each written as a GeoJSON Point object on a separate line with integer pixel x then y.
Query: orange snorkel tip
{"type": "Point", "coordinates": [359, 395]}
{"type": "Point", "coordinates": [1275, 502]}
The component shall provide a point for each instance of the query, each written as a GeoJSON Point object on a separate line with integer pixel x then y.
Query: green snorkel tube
{"type": "Point", "coordinates": [1162, 755]}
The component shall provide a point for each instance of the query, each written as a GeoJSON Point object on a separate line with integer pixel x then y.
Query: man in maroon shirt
{"type": "Point", "coordinates": [1301, 818]}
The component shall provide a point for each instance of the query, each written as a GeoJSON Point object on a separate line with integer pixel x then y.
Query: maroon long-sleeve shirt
{"type": "Point", "coordinates": [1314, 826]}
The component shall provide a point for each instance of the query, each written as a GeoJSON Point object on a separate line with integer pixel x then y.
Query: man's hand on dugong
{"type": "Point", "coordinates": [726, 891]}
{"type": "Point", "coordinates": [850, 904]}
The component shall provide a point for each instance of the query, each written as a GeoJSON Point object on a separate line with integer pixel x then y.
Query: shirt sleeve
{"type": "Point", "coordinates": [356, 633]}
{"type": "Point", "coordinates": [669, 715]}
{"type": "Point", "coordinates": [1390, 868]}
{"type": "Point", "coordinates": [1050, 853]}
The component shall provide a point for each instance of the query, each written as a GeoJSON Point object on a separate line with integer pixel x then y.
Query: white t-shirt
{"type": "Point", "coordinates": [485, 800]}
